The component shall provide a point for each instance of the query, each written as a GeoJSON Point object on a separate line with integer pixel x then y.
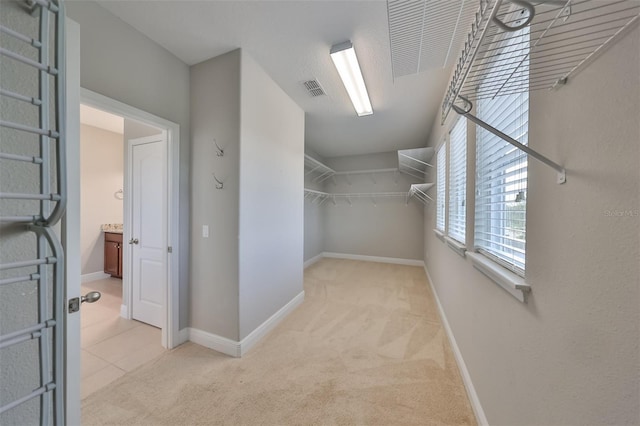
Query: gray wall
{"type": "Point", "coordinates": [251, 264]}
{"type": "Point", "coordinates": [119, 62]}
{"type": "Point", "coordinates": [215, 114]}
{"type": "Point", "coordinates": [389, 228]}
{"type": "Point", "coordinates": [569, 356]}
{"type": "Point", "coordinates": [271, 192]}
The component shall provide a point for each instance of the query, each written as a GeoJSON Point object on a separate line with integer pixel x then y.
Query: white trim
{"type": "Point", "coordinates": [93, 276]}
{"type": "Point", "coordinates": [70, 229]}
{"type": "Point", "coordinates": [313, 260]}
{"type": "Point", "coordinates": [183, 335]}
{"type": "Point", "coordinates": [124, 312]}
{"type": "Point", "coordinates": [439, 234]}
{"type": "Point", "coordinates": [215, 342]}
{"type": "Point", "coordinates": [238, 349]}
{"type": "Point", "coordinates": [481, 418]}
{"type": "Point", "coordinates": [454, 245]}
{"type": "Point", "coordinates": [514, 284]}
{"type": "Point", "coordinates": [263, 329]}
{"type": "Point", "coordinates": [394, 260]}
{"type": "Point", "coordinates": [170, 332]}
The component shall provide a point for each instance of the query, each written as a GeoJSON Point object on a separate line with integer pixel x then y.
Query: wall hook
{"type": "Point", "coordinates": [219, 151]}
{"type": "Point", "coordinates": [219, 183]}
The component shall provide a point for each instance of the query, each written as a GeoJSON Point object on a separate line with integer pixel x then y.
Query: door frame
{"type": "Point", "coordinates": [171, 328]}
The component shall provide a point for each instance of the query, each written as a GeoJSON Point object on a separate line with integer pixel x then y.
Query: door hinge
{"type": "Point", "coordinates": [74, 305]}
{"type": "Point", "coordinates": [169, 249]}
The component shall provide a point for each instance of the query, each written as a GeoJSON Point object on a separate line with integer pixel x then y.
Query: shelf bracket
{"type": "Point", "coordinates": [466, 112]}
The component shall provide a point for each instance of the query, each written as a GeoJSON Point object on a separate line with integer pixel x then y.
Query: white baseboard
{"type": "Point", "coordinates": [395, 260]}
{"type": "Point", "coordinates": [237, 349]}
{"type": "Point", "coordinates": [263, 329]}
{"type": "Point", "coordinates": [94, 276]}
{"type": "Point", "coordinates": [215, 342]}
{"type": "Point", "coordinates": [183, 336]}
{"type": "Point", "coordinates": [124, 313]}
{"type": "Point", "coordinates": [464, 372]}
{"type": "Point", "coordinates": [313, 260]}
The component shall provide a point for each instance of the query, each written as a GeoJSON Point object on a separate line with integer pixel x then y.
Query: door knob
{"type": "Point", "coordinates": [133, 241]}
{"type": "Point", "coordinates": [91, 297]}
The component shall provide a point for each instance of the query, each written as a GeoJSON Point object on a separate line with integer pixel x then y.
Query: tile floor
{"type": "Point", "coordinates": [111, 345]}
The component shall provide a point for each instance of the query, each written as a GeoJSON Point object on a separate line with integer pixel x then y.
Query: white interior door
{"type": "Point", "coordinates": [148, 241]}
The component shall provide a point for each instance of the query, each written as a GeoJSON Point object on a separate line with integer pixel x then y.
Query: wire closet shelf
{"type": "Point", "coordinates": [562, 37]}
{"type": "Point", "coordinates": [417, 191]}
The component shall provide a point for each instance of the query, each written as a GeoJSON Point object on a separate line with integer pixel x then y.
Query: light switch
{"type": "Point", "coordinates": [205, 231]}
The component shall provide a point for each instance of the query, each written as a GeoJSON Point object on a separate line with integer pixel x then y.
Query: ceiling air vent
{"type": "Point", "coordinates": [427, 34]}
{"type": "Point", "coordinates": [314, 88]}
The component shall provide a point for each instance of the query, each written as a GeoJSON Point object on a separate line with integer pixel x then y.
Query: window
{"type": "Point", "coordinates": [441, 186]}
{"type": "Point", "coordinates": [458, 181]}
{"type": "Point", "coordinates": [501, 174]}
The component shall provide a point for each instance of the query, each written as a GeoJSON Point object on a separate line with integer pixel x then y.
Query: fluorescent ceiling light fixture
{"type": "Point", "coordinates": [346, 62]}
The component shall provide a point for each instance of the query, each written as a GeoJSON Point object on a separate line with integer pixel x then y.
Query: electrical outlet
{"type": "Point", "coordinates": [205, 231]}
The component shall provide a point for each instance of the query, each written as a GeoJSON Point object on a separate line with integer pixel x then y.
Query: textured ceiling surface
{"type": "Point", "coordinates": [291, 41]}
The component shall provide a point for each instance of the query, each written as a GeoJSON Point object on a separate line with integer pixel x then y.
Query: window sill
{"type": "Point", "coordinates": [511, 282]}
{"type": "Point", "coordinates": [439, 234]}
{"type": "Point", "coordinates": [457, 247]}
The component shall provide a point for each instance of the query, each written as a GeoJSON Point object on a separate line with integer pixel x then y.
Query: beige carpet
{"type": "Point", "coordinates": [365, 348]}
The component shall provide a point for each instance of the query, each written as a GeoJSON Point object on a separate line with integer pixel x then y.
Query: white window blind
{"type": "Point", "coordinates": [501, 169]}
{"type": "Point", "coordinates": [441, 186]}
{"type": "Point", "coordinates": [458, 181]}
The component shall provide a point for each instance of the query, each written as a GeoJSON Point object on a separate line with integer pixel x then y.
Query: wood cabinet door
{"type": "Point", "coordinates": [111, 258]}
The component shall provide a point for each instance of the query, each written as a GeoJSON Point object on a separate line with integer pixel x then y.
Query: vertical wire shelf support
{"type": "Point", "coordinates": [46, 267]}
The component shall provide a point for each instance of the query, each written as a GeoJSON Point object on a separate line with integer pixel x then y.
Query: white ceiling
{"type": "Point", "coordinates": [100, 119]}
{"type": "Point", "coordinates": [291, 40]}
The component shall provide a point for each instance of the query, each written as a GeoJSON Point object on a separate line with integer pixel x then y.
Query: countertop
{"type": "Point", "coordinates": [114, 228]}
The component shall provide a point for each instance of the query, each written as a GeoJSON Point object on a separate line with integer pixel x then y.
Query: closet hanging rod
{"type": "Point", "coordinates": [23, 158]}
{"type": "Point", "coordinates": [26, 263]}
{"type": "Point", "coordinates": [20, 219]}
{"type": "Point", "coordinates": [18, 96]}
{"type": "Point", "coordinates": [29, 129]}
{"type": "Point", "coordinates": [467, 113]}
{"type": "Point", "coordinates": [19, 36]}
{"type": "Point", "coordinates": [18, 196]}
{"type": "Point", "coordinates": [21, 279]}
{"type": "Point", "coordinates": [28, 330]}
{"type": "Point", "coordinates": [42, 67]}
{"type": "Point", "coordinates": [361, 172]}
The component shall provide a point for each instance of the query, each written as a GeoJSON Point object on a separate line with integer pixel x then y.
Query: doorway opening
{"type": "Point", "coordinates": [120, 332]}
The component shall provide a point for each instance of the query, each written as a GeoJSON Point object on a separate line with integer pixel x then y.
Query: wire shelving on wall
{"type": "Point", "coordinates": [564, 36]}
{"type": "Point", "coordinates": [516, 46]}
{"type": "Point", "coordinates": [415, 162]}
{"type": "Point", "coordinates": [319, 171]}
{"type": "Point", "coordinates": [321, 197]}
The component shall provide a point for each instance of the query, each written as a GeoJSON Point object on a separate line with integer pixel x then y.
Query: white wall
{"type": "Point", "coordinates": [388, 228]}
{"type": "Point", "coordinates": [570, 355]}
{"type": "Point", "coordinates": [271, 197]}
{"type": "Point", "coordinates": [119, 62]}
{"type": "Point", "coordinates": [101, 175]}
{"type": "Point", "coordinates": [215, 114]}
